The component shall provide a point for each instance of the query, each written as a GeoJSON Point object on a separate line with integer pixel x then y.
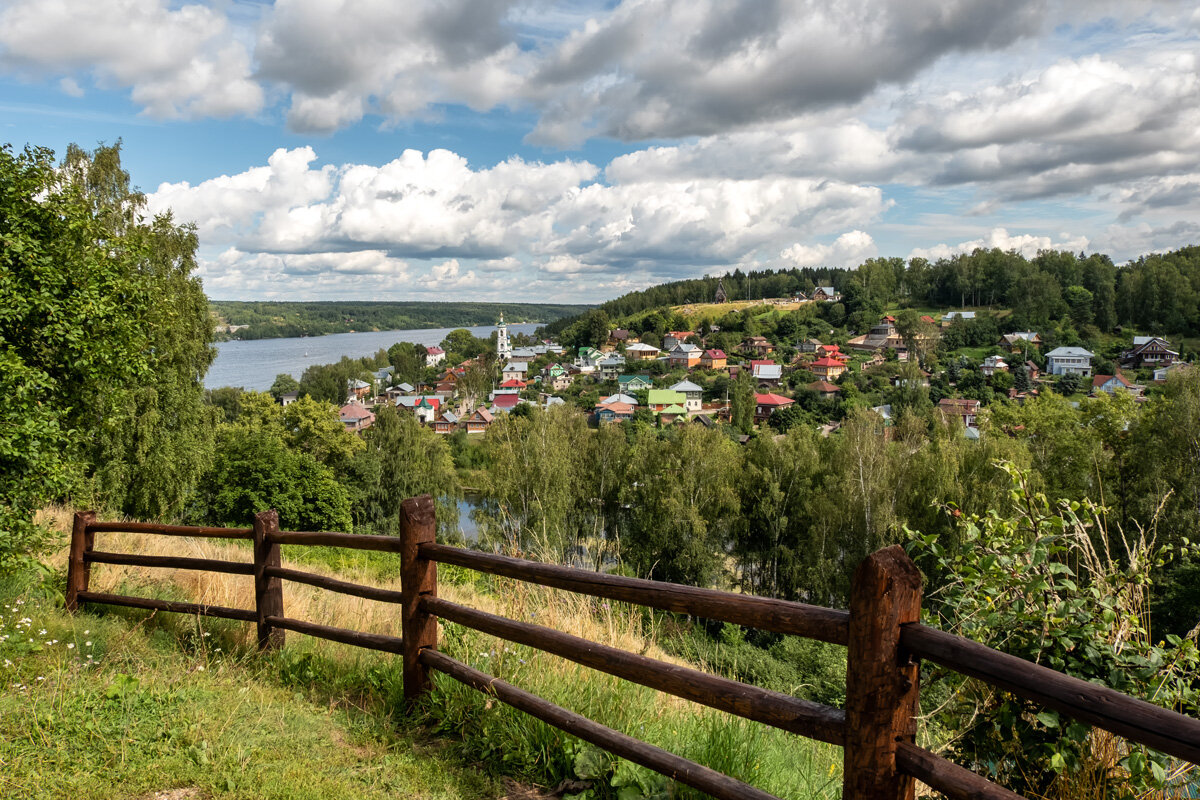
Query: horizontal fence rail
{"type": "Point", "coordinates": [195, 609]}
{"type": "Point", "coordinates": [1151, 725]}
{"type": "Point", "coordinates": [173, 530]}
{"type": "Point", "coordinates": [764, 613]}
{"type": "Point", "coordinates": [779, 710]}
{"type": "Point", "coordinates": [680, 769]}
{"type": "Point", "coordinates": [881, 631]}
{"type": "Point", "coordinates": [171, 562]}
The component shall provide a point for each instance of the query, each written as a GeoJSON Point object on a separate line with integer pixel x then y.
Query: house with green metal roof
{"type": "Point", "coordinates": [660, 399]}
{"type": "Point", "coordinates": [631, 383]}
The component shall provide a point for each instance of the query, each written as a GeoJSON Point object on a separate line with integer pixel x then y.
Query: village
{"type": "Point", "coordinates": [687, 380]}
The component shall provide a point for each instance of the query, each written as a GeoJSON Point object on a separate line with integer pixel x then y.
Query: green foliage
{"type": "Point", "coordinates": [1040, 582]}
{"type": "Point", "coordinates": [411, 460]}
{"type": "Point", "coordinates": [284, 384]}
{"type": "Point", "coordinates": [273, 319]}
{"type": "Point", "coordinates": [460, 344]}
{"type": "Point", "coordinates": [104, 338]}
{"type": "Point", "coordinates": [255, 470]}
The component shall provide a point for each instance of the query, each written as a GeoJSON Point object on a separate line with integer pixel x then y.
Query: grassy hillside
{"type": "Point", "coordinates": [168, 701]}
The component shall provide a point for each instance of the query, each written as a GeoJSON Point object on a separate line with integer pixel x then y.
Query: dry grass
{"type": "Point", "coordinates": [615, 624]}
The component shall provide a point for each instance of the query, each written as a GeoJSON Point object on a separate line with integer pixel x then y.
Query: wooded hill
{"type": "Point", "coordinates": [272, 320]}
{"type": "Point", "coordinates": [1158, 292]}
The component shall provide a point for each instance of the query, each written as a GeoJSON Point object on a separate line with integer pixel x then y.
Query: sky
{"type": "Point", "coordinates": [545, 151]}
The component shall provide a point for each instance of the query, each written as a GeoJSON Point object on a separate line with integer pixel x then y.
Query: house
{"type": "Point", "coordinates": [671, 413]}
{"type": "Point", "coordinates": [588, 358]}
{"type": "Point", "coordinates": [632, 383]}
{"type": "Point", "coordinates": [809, 346]}
{"type": "Point", "coordinates": [618, 337]}
{"type": "Point", "coordinates": [503, 403]}
{"type": "Point", "coordinates": [900, 381]}
{"type": "Point", "coordinates": [767, 404]}
{"type": "Point", "coordinates": [356, 417]}
{"type": "Point", "coordinates": [446, 423]}
{"type": "Point", "coordinates": [766, 373]}
{"type": "Point", "coordinates": [424, 406]}
{"type": "Point", "coordinates": [553, 348]}
{"type": "Point", "coordinates": [619, 398]}
{"type": "Point", "coordinates": [826, 294]}
{"type": "Point", "coordinates": [558, 382]}
{"type": "Point", "coordinates": [357, 389]}
{"type": "Point", "coordinates": [831, 351]}
{"type": "Point", "coordinates": [827, 369]}
{"type": "Point", "coordinates": [1069, 361]}
{"type": "Point", "coordinates": [522, 355]}
{"type": "Point", "coordinates": [684, 355]}
{"type": "Point", "coordinates": [383, 377]}
{"type": "Point", "coordinates": [959, 408]}
{"type": "Point", "coordinates": [951, 316]}
{"type": "Point", "coordinates": [426, 409]}
{"type": "Point", "coordinates": [1031, 369]}
{"type": "Point", "coordinates": [434, 356]}
{"type": "Point", "coordinates": [825, 390]}
{"type": "Point", "coordinates": [1161, 374]}
{"type": "Point", "coordinates": [693, 393]}
{"type": "Point", "coordinates": [993, 364]}
{"type": "Point", "coordinates": [658, 399]}
{"type": "Point", "coordinates": [757, 345]}
{"type": "Point", "coordinates": [515, 370]}
{"type": "Point", "coordinates": [1111, 383]}
{"type": "Point", "coordinates": [673, 338]}
{"type": "Point", "coordinates": [713, 359]}
{"type": "Point", "coordinates": [511, 386]}
{"type": "Point", "coordinates": [641, 352]}
{"type": "Point", "coordinates": [611, 367]}
{"type": "Point", "coordinates": [1149, 351]}
{"type": "Point", "coordinates": [613, 412]}
{"type": "Point", "coordinates": [287, 398]}
{"type": "Point", "coordinates": [478, 421]}
{"type": "Point", "coordinates": [1020, 341]}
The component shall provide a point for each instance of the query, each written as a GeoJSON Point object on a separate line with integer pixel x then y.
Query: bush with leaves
{"type": "Point", "coordinates": [1043, 583]}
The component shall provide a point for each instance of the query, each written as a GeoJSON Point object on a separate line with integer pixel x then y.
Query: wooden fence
{"type": "Point", "coordinates": [881, 631]}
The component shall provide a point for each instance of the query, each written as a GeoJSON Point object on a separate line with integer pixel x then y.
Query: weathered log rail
{"type": "Point", "coordinates": [881, 631]}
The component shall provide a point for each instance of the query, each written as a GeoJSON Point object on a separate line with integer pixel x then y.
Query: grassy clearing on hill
{"type": "Point", "coordinates": [359, 692]}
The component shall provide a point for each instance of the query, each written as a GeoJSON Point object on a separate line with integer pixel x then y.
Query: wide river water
{"type": "Point", "coordinates": [253, 364]}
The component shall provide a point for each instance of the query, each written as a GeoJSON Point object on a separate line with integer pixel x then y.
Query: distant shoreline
{"type": "Point", "coordinates": [249, 320]}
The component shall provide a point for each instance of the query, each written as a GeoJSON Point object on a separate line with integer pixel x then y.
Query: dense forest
{"type": "Point", "coordinates": [271, 320]}
{"type": "Point", "coordinates": [1157, 293]}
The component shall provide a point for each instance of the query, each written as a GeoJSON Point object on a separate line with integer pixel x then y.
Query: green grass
{"type": "Point", "coordinates": [97, 707]}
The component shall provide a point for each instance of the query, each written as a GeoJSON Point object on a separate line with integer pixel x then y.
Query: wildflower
{"type": "Point", "coordinates": [89, 644]}
{"type": "Point", "coordinates": [199, 668]}
{"type": "Point", "coordinates": [86, 633]}
{"type": "Point", "coordinates": [70, 646]}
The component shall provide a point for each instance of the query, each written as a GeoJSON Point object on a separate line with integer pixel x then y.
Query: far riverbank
{"type": "Point", "coordinates": [253, 364]}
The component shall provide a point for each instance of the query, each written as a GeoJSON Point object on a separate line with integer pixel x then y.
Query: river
{"type": "Point", "coordinates": [253, 364]}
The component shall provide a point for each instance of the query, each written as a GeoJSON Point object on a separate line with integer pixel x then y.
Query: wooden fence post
{"type": "Point", "coordinates": [881, 679]}
{"type": "Point", "coordinates": [79, 571]}
{"type": "Point", "coordinates": [418, 577]}
{"type": "Point", "coordinates": [268, 591]}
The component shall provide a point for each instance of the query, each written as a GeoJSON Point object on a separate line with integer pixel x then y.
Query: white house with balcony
{"type": "Point", "coordinates": [1069, 361]}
